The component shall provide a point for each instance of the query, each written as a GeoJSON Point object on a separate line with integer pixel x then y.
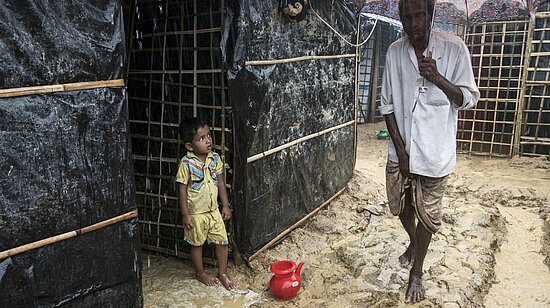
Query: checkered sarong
{"type": "Point", "coordinates": [426, 195]}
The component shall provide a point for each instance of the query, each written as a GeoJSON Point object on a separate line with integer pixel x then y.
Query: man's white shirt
{"type": "Point", "coordinates": [429, 133]}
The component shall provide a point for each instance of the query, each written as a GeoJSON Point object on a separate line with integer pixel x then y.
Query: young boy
{"type": "Point", "coordinates": [200, 181]}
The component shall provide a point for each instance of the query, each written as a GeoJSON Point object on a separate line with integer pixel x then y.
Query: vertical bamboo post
{"type": "Point", "coordinates": [374, 77]}
{"type": "Point", "coordinates": [356, 86]}
{"type": "Point", "coordinates": [497, 96]}
{"type": "Point", "coordinates": [149, 108]}
{"type": "Point", "coordinates": [519, 115]}
{"type": "Point", "coordinates": [481, 52]}
{"type": "Point", "coordinates": [195, 58]}
{"type": "Point", "coordinates": [222, 96]}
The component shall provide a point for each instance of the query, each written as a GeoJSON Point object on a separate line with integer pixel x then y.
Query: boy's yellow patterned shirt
{"type": "Point", "coordinates": [201, 180]}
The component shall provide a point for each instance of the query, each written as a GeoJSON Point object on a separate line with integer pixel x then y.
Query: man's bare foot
{"type": "Point", "coordinates": [407, 258]}
{"type": "Point", "coordinates": [415, 289]}
{"type": "Point", "coordinates": [206, 279]}
{"type": "Point", "coordinates": [227, 282]}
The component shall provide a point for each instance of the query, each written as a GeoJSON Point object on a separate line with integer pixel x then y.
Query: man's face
{"type": "Point", "coordinates": [416, 21]}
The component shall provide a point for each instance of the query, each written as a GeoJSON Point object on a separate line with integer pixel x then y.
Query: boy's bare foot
{"type": "Point", "coordinates": [206, 279]}
{"type": "Point", "coordinates": [415, 289]}
{"type": "Point", "coordinates": [227, 282]}
{"type": "Point", "coordinates": [407, 258]}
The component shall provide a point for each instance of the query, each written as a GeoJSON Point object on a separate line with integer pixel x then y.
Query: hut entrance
{"type": "Point", "coordinates": [279, 96]}
{"type": "Point", "coordinates": [175, 71]}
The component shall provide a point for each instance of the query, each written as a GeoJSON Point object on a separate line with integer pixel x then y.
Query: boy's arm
{"type": "Point", "coordinates": [222, 192]}
{"type": "Point", "coordinates": [184, 208]}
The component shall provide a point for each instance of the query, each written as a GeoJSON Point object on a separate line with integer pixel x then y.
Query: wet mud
{"type": "Point", "coordinates": [350, 248]}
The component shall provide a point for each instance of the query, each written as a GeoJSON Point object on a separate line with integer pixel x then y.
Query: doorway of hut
{"type": "Point", "coordinates": [280, 101]}
{"type": "Point", "coordinates": [175, 71]}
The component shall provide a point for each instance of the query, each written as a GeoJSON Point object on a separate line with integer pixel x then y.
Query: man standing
{"type": "Point", "coordinates": [428, 77]}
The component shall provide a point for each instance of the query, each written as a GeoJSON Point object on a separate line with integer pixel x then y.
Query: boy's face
{"type": "Point", "coordinates": [202, 142]}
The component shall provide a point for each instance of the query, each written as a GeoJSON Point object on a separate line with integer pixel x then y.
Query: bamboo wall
{"type": "Point", "coordinates": [535, 130]}
{"type": "Point", "coordinates": [498, 54]}
{"type": "Point", "coordinates": [371, 66]}
{"type": "Point", "coordinates": [175, 72]}
{"type": "Point", "coordinates": [511, 63]}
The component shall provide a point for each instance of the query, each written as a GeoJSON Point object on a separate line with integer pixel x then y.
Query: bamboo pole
{"type": "Point", "coordinates": [373, 88]}
{"type": "Point", "coordinates": [193, 71]}
{"type": "Point", "coordinates": [356, 89]}
{"type": "Point", "coordinates": [537, 83]}
{"type": "Point", "coordinates": [180, 32]}
{"type": "Point", "coordinates": [67, 235]}
{"type": "Point", "coordinates": [297, 59]}
{"type": "Point", "coordinates": [518, 126]}
{"type": "Point", "coordinates": [300, 140]}
{"type": "Point", "coordinates": [195, 60]}
{"type": "Point", "coordinates": [23, 91]}
{"type": "Point", "coordinates": [294, 226]}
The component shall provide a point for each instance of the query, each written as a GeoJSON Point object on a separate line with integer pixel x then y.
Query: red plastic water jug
{"type": "Point", "coordinates": [285, 282]}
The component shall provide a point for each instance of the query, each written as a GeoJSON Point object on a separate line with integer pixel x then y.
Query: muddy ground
{"type": "Point", "coordinates": [493, 248]}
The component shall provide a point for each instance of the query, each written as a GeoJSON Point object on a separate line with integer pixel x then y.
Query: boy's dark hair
{"type": "Point", "coordinates": [189, 127]}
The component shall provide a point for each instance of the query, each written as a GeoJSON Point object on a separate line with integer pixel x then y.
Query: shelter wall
{"type": "Point", "coordinates": [65, 158]}
{"type": "Point", "coordinates": [292, 87]}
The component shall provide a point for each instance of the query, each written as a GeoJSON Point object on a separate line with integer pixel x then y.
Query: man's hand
{"type": "Point", "coordinates": [404, 163]}
{"type": "Point", "coordinates": [188, 222]}
{"type": "Point", "coordinates": [226, 212]}
{"type": "Point", "coordinates": [428, 69]}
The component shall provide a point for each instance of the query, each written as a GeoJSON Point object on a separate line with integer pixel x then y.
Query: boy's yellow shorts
{"type": "Point", "coordinates": [206, 227]}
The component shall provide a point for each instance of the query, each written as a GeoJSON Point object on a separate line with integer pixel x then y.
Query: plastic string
{"type": "Point", "coordinates": [339, 35]}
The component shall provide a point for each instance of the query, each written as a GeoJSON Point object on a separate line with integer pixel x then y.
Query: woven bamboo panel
{"type": "Point", "coordinates": [535, 131]}
{"type": "Point", "coordinates": [175, 72]}
{"type": "Point", "coordinates": [498, 52]}
{"type": "Point", "coordinates": [371, 69]}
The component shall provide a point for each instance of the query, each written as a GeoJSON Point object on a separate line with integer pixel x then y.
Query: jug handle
{"type": "Point", "coordinates": [299, 268]}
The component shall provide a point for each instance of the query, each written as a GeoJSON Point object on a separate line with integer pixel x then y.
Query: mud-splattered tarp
{"type": "Point", "coordinates": [64, 157]}
{"type": "Point", "coordinates": [275, 104]}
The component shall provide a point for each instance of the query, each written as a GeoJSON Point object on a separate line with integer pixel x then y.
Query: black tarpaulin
{"type": "Point", "coordinates": [65, 160]}
{"type": "Point", "coordinates": [53, 42]}
{"type": "Point", "coordinates": [275, 104]}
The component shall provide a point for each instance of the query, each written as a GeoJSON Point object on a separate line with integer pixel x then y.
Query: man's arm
{"type": "Point", "coordinates": [402, 154]}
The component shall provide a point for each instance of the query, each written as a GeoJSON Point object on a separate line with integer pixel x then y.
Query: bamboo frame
{"type": "Point", "coordinates": [374, 80]}
{"type": "Point", "coordinates": [492, 126]}
{"type": "Point", "coordinates": [179, 86]}
{"type": "Point", "coordinates": [295, 142]}
{"type": "Point", "coordinates": [519, 116]}
{"type": "Point", "coordinates": [357, 79]}
{"type": "Point", "coordinates": [297, 59]}
{"type": "Point", "coordinates": [294, 226]}
{"type": "Point", "coordinates": [23, 91]}
{"type": "Point", "coordinates": [64, 236]}
{"type": "Point", "coordinates": [535, 120]}
{"type": "Point", "coordinates": [374, 52]}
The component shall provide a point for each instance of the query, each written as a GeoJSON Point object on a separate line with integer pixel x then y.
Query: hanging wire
{"type": "Point", "coordinates": [342, 37]}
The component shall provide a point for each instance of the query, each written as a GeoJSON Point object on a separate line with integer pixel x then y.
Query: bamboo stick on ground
{"type": "Point", "coordinates": [294, 226]}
